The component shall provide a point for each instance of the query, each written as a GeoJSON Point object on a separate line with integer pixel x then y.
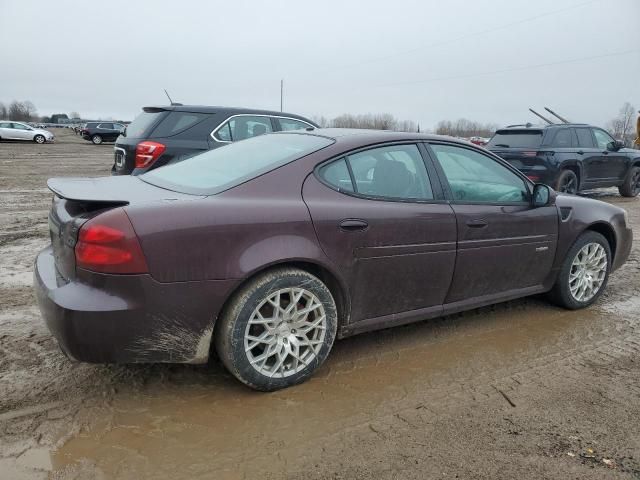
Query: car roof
{"type": "Point", "coordinates": [376, 136]}
{"type": "Point", "coordinates": [530, 126]}
{"type": "Point", "coordinates": [218, 109]}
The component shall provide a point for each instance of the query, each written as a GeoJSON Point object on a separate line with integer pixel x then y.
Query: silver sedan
{"type": "Point", "coordinates": [10, 130]}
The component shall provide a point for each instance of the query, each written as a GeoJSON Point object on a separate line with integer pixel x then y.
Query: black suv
{"type": "Point", "coordinates": [98, 132]}
{"type": "Point", "coordinates": [569, 157]}
{"type": "Point", "coordinates": [162, 135]}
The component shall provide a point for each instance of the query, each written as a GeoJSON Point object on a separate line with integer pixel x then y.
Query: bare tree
{"type": "Point", "coordinates": [74, 115]}
{"type": "Point", "coordinates": [378, 121]}
{"type": "Point", "coordinates": [22, 111]}
{"type": "Point", "coordinates": [465, 128]}
{"type": "Point", "coordinates": [4, 112]}
{"type": "Point", "coordinates": [621, 127]}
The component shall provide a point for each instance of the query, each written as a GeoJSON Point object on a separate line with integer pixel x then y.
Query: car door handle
{"type": "Point", "coordinates": [353, 225]}
{"type": "Point", "coordinates": [479, 223]}
{"type": "Point", "coordinates": [580, 152]}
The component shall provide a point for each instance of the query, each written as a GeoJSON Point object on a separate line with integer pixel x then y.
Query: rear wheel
{"type": "Point", "coordinates": [631, 185]}
{"type": "Point", "coordinates": [96, 139]}
{"type": "Point", "coordinates": [567, 182]}
{"type": "Point", "coordinates": [39, 139]}
{"type": "Point", "coordinates": [584, 273]}
{"type": "Point", "coordinates": [277, 330]}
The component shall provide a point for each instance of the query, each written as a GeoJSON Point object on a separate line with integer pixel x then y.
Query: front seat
{"type": "Point", "coordinates": [391, 178]}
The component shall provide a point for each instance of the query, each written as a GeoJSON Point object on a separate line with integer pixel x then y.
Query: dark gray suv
{"type": "Point", "coordinates": [170, 134]}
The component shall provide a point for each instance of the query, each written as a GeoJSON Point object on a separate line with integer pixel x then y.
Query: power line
{"type": "Point", "coordinates": [461, 37]}
{"type": "Point", "coordinates": [506, 70]}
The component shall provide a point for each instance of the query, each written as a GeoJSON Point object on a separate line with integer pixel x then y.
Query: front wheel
{"type": "Point", "coordinates": [277, 330]}
{"type": "Point", "coordinates": [584, 273]}
{"type": "Point", "coordinates": [631, 185]}
{"type": "Point", "coordinates": [567, 182]}
{"type": "Point", "coordinates": [39, 139]}
{"type": "Point", "coordinates": [96, 139]}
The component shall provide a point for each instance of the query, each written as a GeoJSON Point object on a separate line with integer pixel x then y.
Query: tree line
{"type": "Point", "coordinates": [621, 127]}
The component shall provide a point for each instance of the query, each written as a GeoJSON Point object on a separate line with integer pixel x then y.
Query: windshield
{"type": "Point", "coordinates": [225, 167]}
{"type": "Point", "coordinates": [516, 139]}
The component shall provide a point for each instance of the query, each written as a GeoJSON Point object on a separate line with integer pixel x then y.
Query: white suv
{"type": "Point", "coordinates": [10, 130]}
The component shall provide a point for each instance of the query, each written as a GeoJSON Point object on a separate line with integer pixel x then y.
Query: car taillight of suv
{"type": "Point", "coordinates": [148, 152]}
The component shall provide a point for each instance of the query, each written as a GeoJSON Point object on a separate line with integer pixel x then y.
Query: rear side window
{"type": "Point", "coordinates": [585, 139]}
{"type": "Point", "coordinates": [241, 127]}
{"type": "Point", "coordinates": [177, 122]}
{"type": "Point", "coordinates": [395, 172]}
{"type": "Point", "coordinates": [563, 138]}
{"type": "Point", "coordinates": [106, 126]}
{"type": "Point", "coordinates": [142, 123]}
{"type": "Point", "coordinates": [516, 139]}
{"type": "Point", "coordinates": [287, 124]}
{"type": "Point", "coordinates": [337, 174]}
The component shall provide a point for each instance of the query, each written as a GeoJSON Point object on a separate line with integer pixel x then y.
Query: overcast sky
{"type": "Point", "coordinates": [422, 60]}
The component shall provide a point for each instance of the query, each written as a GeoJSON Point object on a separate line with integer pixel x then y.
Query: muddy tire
{"type": "Point", "coordinates": [584, 273]}
{"type": "Point", "coordinates": [277, 330]}
{"type": "Point", "coordinates": [567, 182]}
{"type": "Point", "coordinates": [96, 139]}
{"type": "Point", "coordinates": [631, 185]}
{"type": "Point", "coordinates": [39, 139]}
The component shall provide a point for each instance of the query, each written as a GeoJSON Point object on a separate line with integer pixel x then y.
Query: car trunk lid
{"type": "Point", "coordinates": [76, 200]}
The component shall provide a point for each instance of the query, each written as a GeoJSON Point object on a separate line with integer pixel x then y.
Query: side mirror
{"type": "Point", "coordinates": [543, 196]}
{"type": "Point", "coordinates": [615, 145]}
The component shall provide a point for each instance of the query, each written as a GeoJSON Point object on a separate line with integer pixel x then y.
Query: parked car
{"type": "Point", "coordinates": [570, 157]}
{"type": "Point", "coordinates": [100, 132]}
{"type": "Point", "coordinates": [274, 246]}
{"type": "Point", "coordinates": [10, 130]}
{"type": "Point", "coordinates": [170, 134]}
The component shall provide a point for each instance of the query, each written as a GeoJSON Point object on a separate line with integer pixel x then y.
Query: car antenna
{"type": "Point", "coordinates": [543, 118]}
{"type": "Point", "coordinates": [170, 101]}
{"type": "Point", "coordinates": [564, 120]}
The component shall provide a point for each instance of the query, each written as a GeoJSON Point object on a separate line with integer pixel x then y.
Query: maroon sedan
{"type": "Point", "coordinates": [270, 248]}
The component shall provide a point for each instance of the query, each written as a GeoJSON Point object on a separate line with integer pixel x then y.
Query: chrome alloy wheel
{"type": "Point", "coordinates": [285, 332]}
{"type": "Point", "coordinates": [588, 271]}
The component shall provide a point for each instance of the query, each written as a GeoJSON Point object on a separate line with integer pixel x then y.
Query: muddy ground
{"type": "Point", "coordinates": [518, 390]}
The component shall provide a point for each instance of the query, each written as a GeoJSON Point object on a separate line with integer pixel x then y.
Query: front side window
{"type": "Point", "coordinates": [585, 140]}
{"type": "Point", "coordinates": [287, 124]}
{"type": "Point", "coordinates": [477, 178]}
{"type": "Point", "coordinates": [602, 138]}
{"type": "Point", "coordinates": [219, 169]}
{"type": "Point", "coordinates": [19, 126]}
{"type": "Point", "coordinates": [243, 126]}
{"type": "Point", "coordinates": [393, 172]}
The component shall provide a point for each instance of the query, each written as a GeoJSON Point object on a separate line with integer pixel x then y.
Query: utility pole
{"type": "Point", "coordinates": [281, 93]}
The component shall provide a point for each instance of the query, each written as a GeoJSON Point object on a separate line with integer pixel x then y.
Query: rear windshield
{"type": "Point", "coordinates": [225, 167]}
{"type": "Point", "coordinates": [516, 139]}
{"type": "Point", "coordinates": [177, 122]}
{"type": "Point", "coordinates": [141, 124]}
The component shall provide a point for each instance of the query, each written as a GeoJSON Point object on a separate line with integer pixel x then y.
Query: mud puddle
{"type": "Point", "coordinates": [199, 422]}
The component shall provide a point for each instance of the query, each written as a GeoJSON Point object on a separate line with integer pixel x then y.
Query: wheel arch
{"type": "Point", "coordinates": [608, 232]}
{"type": "Point", "coordinates": [326, 274]}
{"type": "Point", "coordinates": [575, 166]}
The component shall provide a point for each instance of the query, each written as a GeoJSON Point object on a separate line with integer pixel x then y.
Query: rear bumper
{"type": "Point", "coordinates": [102, 318]}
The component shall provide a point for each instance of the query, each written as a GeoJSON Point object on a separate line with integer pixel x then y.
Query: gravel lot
{"type": "Point", "coordinates": [518, 390]}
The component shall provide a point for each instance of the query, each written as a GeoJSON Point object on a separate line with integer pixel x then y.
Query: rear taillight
{"type": "Point", "coordinates": [148, 152]}
{"type": "Point", "coordinates": [108, 244]}
{"type": "Point", "coordinates": [533, 178]}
